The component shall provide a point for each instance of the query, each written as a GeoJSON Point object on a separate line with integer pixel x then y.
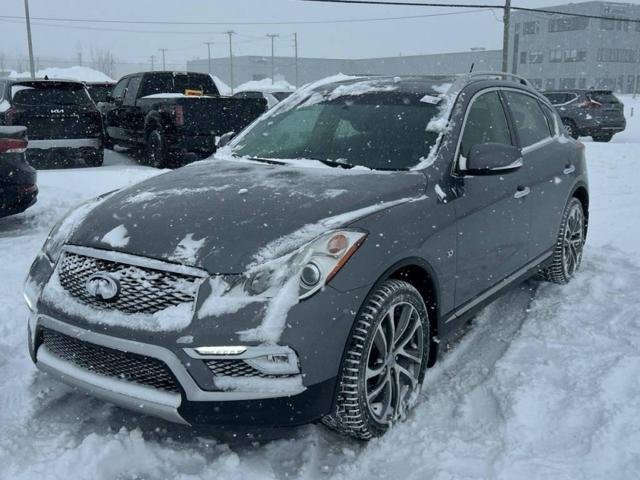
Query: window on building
{"type": "Point", "coordinates": [536, 82]}
{"type": "Point", "coordinates": [550, 84]}
{"type": "Point", "coordinates": [574, 55]}
{"type": "Point", "coordinates": [555, 56]}
{"type": "Point", "coordinates": [582, 83]}
{"type": "Point", "coordinates": [536, 57]}
{"type": "Point", "coordinates": [617, 55]}
{"type": "Point", "coordinates": [568, 24]}
{"type": "Point", "coordinates": [531, 28]}
{"type": "Point", "coordinates": [523, 57]}
{"type": "Point", "coordinates": [567, 83]}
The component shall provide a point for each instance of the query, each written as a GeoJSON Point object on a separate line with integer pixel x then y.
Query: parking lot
{"type": "Point", "coordinates": [544, 384]}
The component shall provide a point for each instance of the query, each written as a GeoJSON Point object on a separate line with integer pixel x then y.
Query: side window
{"type": "Point", "coordinates": [551, 119]}
{"type": "Point", "coordinates": [119, 89]}
{"type": "Point", "coordinates": [531, 123]}
{"type": "Point", "coordinates": [132, 91]}
{"type": "Point", "coordinates": [486, 123]}
{"type": "Point", "coordinates": [2, 87]}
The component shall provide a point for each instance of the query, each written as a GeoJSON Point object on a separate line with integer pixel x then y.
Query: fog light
{"type": "Point", "coordinates": [275, 364]}
{"type": "Point", "coordinates": [310, 275]}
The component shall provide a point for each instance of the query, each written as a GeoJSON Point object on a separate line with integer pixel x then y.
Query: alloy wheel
{"type": "Point", "coordinates": [394, 363]}
{"type": "Point", "coordinates": [573, 241]}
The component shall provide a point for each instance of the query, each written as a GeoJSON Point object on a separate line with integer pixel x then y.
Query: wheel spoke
{"type": "Point", "coordinates": [405, 320]}
{"type": "Point", "coordinates": [380, 341]}
{"type": "Point", "coordinates": [409, 356]}
{"type": "Point", "coordinates": [379, 388]}
{"type": "Point", "coordinates": [375, 372]}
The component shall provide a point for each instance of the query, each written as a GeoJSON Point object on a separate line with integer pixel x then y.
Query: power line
{"type": "Point", "coordinates": [477, 6]}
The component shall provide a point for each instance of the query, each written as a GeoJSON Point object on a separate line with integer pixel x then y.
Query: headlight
{"type": "Point", "coordinates": [314, 264]}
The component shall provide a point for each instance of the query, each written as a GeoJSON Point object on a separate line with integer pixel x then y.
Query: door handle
{"type": "Point", "coordinates": [569, 169]}
{"type": "Point", "coordinates": [522, 192]}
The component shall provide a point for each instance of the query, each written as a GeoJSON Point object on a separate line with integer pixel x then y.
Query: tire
{"type": "Point", "coordinates": [570, 128]}
{"type": "Point", "coordinates": [94, 159]}
{"type": "Point", "coordinates": [602, 138]}
{"type": "Point", "coordinates": [377, 389]}
{"type": "Point", "coordinates": [567, 254]}
{"type": "Point", "coordinates": [156, 154]}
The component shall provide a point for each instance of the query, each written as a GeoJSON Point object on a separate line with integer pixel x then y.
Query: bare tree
{"type": "Point", "coordinates": [103, 61]}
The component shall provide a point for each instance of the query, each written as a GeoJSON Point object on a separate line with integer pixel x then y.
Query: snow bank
{"type": "Point", "coordinates": [265, 85]}
{"type": "Point", "coordinates": [223, 88]}
{"type": "Point", "coordinates": [82, 74]}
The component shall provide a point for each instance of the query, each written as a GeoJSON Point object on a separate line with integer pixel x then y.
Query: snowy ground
{"type": "Point", "coordinates": [545, 384]}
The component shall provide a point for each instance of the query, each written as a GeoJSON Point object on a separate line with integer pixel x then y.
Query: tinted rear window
{"type": "Point", "coordinates": [603, 97]}
{"type": "Point", "coordinates": [99, 93]}
{"type": "Point", "coordinates": [178, 83]}
{"type": "Point", "coordinates": [49, 94]}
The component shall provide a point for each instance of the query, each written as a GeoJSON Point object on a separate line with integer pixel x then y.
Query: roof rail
{"type": "Point", "coordinates": [501, 75]}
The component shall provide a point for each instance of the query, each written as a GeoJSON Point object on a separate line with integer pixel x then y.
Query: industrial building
{"type": "Point", "coordinates": [552, 51]}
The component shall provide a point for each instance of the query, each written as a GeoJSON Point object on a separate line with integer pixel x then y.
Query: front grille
{"type": "Point", "coordinates": [130, 367]}
{"type": "Point", "coordinates": [236, 368]}
{"type": "Point", "coordinates": [142, 290]}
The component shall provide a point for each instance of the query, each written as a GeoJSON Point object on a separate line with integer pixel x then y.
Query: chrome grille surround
{"type": "Point", "coordinates": [117, 364]}
{"type": "Point", "coordinates": [142, 289]}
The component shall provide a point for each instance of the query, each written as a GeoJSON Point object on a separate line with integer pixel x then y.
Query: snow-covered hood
{"type": "Point", "coordinates": [220, 215]}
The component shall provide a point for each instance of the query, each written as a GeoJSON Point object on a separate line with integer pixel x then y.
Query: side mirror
{"type": "Point", "coordinates": [225, 139]}
{"type": "Point", "coordinates": [492, 159]}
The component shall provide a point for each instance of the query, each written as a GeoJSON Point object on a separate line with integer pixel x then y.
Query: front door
{"type": "Point", "coordinates": [114, 110]}
{"type": "Point", "coordinates": [492, 211]}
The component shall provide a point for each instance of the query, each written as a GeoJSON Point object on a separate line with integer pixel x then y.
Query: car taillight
{"type": "Point", "coordinates": [591, 103]}
{"type": "Point", "coordinates": [178, 115]}
{"type": "Point", "coordinates": [12, 145]}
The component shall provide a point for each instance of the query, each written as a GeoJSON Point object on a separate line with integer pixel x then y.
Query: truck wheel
{"type": "Point", "coordinates": [567, 254]}
{"type": "Point", "coordinates": [602, 138]}
{"type": "Point", "coordinates": [570, 128]}
{"type": "Point", "coordinates": [157, 154]}
{"type": "Point", "coordinates": [95, 158]}
{"type": "Point", "coordinates": [385, 363]}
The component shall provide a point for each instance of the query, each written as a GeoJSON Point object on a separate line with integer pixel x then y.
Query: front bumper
{"type": "Point", "coordinates": [289, 403]}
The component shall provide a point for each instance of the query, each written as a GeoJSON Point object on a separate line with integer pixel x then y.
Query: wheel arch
{"type": "Point", "coordinates": [581, 193]}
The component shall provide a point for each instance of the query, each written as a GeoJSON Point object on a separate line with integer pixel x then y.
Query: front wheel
{"type": "Point", "coordinates": [383, 369]}
{"type": "Point", "coordinates": [567, 255]}
{"type": "Point", "coordinates": [570, 128]}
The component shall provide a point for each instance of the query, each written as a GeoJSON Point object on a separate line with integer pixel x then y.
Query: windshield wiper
{"type": "Point", "coordinates": [333, 163]}
{"type": "Point", "coordinates": [267, 160]}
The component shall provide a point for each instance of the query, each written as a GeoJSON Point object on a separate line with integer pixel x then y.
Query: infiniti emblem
{"type": "Point", "coordinates": [103, 286]}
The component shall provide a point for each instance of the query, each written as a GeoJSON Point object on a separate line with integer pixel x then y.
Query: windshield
{"type": "Point", "coordinates": [50, 94]}
{"type": "Point", "coordinates": [99, 93]}
{"type": "Point", "coordinates": [385, 131]}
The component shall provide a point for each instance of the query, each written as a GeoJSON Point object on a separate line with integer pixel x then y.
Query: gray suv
{"type": "Point", "coordinates": [589, 113]}
{"type": "Point", "coordinates": [311, 270]}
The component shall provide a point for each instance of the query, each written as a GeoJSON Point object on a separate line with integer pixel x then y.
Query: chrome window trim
{"type": "Point", "coordinates": [192, 391]}
{"type": "Point", "coordinates": [575, 97]}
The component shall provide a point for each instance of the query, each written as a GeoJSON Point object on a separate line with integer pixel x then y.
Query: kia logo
{"type": "Point", "coordinates": [103, 286]}
{"type": "Point", "coordinates": [57, 110]}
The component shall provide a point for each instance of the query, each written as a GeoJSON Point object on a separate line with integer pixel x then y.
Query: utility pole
{"type": "Point", "coordinates": [153, 62]}
{"type": "Point", "coordinates": [505, 36]}
{"type": "Point", "coordinates": [163, 50]}
{"type": "Point", "coordinates": [272, 36]}
{"type": "Point", "coordinates": [295, 47]}
{"type": "Point", "coordinates": [28, 19]}
{"type": "Point", "coordinates": [208, 44]}
{"type": "Point", "coordinates": [230, 33]}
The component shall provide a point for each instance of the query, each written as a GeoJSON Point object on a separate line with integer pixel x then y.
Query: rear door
{"type": "Point", "coordinates": [132, 116]}
{"type": "Point", "coordinates": [492, 213]}
{"type": "Point", "coordinates": [114, 110]}
{"type": "Point", "coordinates": [548, 163]}
{"type": "Point", "coordinates": [54, 110]}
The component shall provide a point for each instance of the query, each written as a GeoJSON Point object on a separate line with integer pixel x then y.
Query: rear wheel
{"type": "Point", "coordinates": [570, 128]}
{"type": "Point", "coordinates": [157, 154]}
{"type": "Point", "coordinates": [385, 363]}
{"type": "Point", "coordinates": [94, 159]}
{"type": "Point", "coordinates": [602, 138]}
{"type": "Point", "coordinates": [567, 255]}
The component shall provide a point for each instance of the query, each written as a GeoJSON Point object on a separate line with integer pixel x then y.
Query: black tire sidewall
{"type": "Point", "coordinates": [156, 135]}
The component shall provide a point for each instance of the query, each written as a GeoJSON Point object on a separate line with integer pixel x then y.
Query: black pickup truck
{"type": "Point", "coordinates": [171, 114]}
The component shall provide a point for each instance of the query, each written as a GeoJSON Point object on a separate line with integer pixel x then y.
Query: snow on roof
{"type": "Point", "coordinates": [265, 85]}
{"type": "Point", "coordinates": [81, 74]}
{"type": "Point", "coordinates": [223, 88]}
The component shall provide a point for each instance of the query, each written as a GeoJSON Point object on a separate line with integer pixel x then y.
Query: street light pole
{"type": "Point", "coordinates": [208, 44]}
{"type": "Point", "coordinates": [230, 33]}
{"type": "Point", "coordinates": [505, 36]}
{"type": "Point", "coordinates": [28, 19]}
{"type": "Point", "coordinates": [163, 50]}
{"type": "Point", "coordinates": [295, 44]}
{"type": "Point", "coordinates": [153, 61]}
{"type": "Point", "coordinates": [273, 36]}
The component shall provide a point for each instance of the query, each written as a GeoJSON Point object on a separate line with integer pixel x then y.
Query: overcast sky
{"type": "Point", "coordinates": [346, 40]}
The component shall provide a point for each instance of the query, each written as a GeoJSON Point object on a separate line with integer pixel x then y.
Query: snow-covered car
{"type": "Point", "coordinates": [311, 269]}
{"type": "Point", "coordinates": [272, 97]}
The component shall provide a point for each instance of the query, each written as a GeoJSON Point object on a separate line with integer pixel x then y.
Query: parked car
{"type": "Point", "coordinates": [18, 188]}
{"type": "Point", "coordinates": [61, 118]}
{"type": "Point", "coordinates": [99, 91]}
{"type": "Point", "coordinates": [272, 97]}
{"type": "Point", "coordinates": [311, 270]}
{"type": "Point", "coordinates": [170, 114]}
{"type": "Point", "coordinates": [589, 113]}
